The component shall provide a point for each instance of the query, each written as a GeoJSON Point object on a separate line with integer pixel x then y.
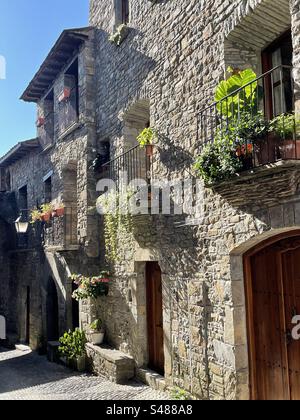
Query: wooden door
{"type": "Point", "coordinates": [155, 317]}
{"type": "Point", "coordinates": [273, 299]}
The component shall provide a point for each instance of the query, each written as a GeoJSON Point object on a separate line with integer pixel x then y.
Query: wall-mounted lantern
{"type": "Point", "coordinates": [21, 225]}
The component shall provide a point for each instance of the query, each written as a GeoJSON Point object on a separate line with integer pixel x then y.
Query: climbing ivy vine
{"type": "Point", "coordinates": [118, 222]}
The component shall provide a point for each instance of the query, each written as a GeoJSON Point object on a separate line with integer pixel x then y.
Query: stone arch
{"type": "Point", "coordinates": [135, 118]}
{"type": "Point", "coordinates": [251, 29]}
{"type": "Point", "coordinates": [236, 315]}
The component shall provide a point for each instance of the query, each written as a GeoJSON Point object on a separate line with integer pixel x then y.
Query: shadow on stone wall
{"type": "Point", "coordinates": [122, 80]}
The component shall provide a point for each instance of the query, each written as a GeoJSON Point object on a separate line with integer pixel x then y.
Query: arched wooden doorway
{"type": "Point", "coordinates": [52, 311]}
{"type": "Point", "coordinates": [272, 273]}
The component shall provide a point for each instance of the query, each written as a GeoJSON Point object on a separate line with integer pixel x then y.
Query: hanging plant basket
{"type": "Point", "coordinates": [90, 287]}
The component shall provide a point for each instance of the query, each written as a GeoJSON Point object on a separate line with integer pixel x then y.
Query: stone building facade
{"type": "Point", "coordinates": [52, 168]}
{"type": "Point", "coordinates": [166, 71]}
{"type": "Point", "coordinates": [163, 74]}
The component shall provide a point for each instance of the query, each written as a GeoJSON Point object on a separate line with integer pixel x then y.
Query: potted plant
{"type": "Point", "coordinates": [35, 216]}
{"type": "Point", "coordinates": [60, 210]}
{"type": "Point", "coordinates": [286, 127]}
{"type": "Point", "coordinates": [64, 95]}
{"type": "Point", "coordinates": [46, 210]}
{"type": "Point", "coordinates": [72, 349]}
{"type": "Point", "coordinates": [146, 139]}
{"type": "Point", "coordinates": [40, 122]}
{"type": "Point", "coordinates": [90, 287]}
{"type": "Point", "coordinates": [97, 332]}
{"type": "Point", "coordinates": [119, 35]}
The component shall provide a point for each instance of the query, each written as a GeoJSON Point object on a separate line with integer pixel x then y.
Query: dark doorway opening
{"type": "Point", "coordinates": [52, 311]}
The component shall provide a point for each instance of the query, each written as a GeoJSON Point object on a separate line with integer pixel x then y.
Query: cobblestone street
{"type": "Point", "coordinates": [27, 376]}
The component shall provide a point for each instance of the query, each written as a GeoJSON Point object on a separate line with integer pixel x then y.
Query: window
{"type": "Point", "coordinates": [125, 11]}
{"type": "Point", "coordinates": [46, 130]}
{"type": "Point", "coordinates": [48, 190]}
{"type": "Point", "coordinates": [279, 96]}
{"type": "Point", "coordinates": [121, 12]}
{"type": "Point", "coordinates": [23, 198]}
{"type": "Point", "coordinates": [69, 98]}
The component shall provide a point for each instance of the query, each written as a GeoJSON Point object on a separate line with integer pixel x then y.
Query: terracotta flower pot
{"type": "Point", "coordinates": [290, 149]}
{"type": "Point", "coordinates": [46, 217]}
{"type": "Point", "coordinates": [54, 213]}
{"type": "Point", "coordinates": [60, 212]}
{"type": "Point", "coordinates": [149, 150]}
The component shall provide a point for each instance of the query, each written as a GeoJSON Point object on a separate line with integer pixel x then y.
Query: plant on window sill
{"type": "Point", "coordinates": [119, 35]}
{"type": "Point", "coordinates": [146, 139]}
{"type": "Point", "coordinates": [64, 95]}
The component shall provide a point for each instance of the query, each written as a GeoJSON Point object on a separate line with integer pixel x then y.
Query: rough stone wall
{"type": "Point", "coordinates": [174, 55]}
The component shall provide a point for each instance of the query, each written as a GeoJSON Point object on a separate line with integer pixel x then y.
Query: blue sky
{"type": "Point", "coordinates": [28, 29]}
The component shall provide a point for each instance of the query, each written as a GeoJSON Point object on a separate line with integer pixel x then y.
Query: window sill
{"type": "Point", "coordinates": [69, 131]}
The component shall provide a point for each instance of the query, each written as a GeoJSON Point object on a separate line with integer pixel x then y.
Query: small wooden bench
{"type": "Point", "coordinates": [112, 364]}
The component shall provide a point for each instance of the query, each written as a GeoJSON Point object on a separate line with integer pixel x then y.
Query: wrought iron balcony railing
{"type": "Point", "coordinates": [261, 116]}
{"type": "Point", "coordinates": [135, 163]}
{"type": "Point", "coordinates": [61, 231]}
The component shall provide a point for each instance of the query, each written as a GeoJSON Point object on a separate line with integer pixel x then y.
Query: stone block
{"type": "Point", "coordinates": [112, 364]}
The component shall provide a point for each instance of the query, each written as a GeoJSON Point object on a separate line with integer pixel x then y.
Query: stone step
{"type": "Point", "coordinates": [22, 347]}
{"type": "Point", "coordinates": [151, 378]}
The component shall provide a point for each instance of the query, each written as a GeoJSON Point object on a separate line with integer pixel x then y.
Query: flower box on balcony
{"type": "Point", "coordinates": [40, 122]}
{"type": "Point", "coordinates": [64, 95]}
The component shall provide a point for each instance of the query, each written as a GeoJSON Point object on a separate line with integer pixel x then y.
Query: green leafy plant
{"type": "Point", "coordinates": [244, 99]}
{"type": "Point", "coordinates": [72, 344]}
{"type": "Point", "coordinates": [146, 137]}
{"type": "Point", "coordinates": [119, 35]}
{"type": "Point", "coordinates": [118, 221]}
{"type": "Point", "coordinates": [97, 325]}
{"type": "Point", "coordinates": [285, 125]}
{"type": "Point", "coordinates": [218, 161]}
{"type": "Point", "coordinates": [91, 287]}
{"type": "Point", "coordinates": [46, 208]}
{"type": "Point", "coordinates": [35, 216]}
{"type": "Point", "coordinates": [180, 394]}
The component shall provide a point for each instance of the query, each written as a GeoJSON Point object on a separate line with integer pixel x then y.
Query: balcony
{"type": "Point", "coordinates": [135, 163]}
{"type": "Point", "coordinates": [60, 233]}
{"type": "Point", "coordinates": [251, 134]}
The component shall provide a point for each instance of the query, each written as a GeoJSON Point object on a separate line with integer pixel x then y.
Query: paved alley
{"type": "Point", "coordinates": [27, 376]}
